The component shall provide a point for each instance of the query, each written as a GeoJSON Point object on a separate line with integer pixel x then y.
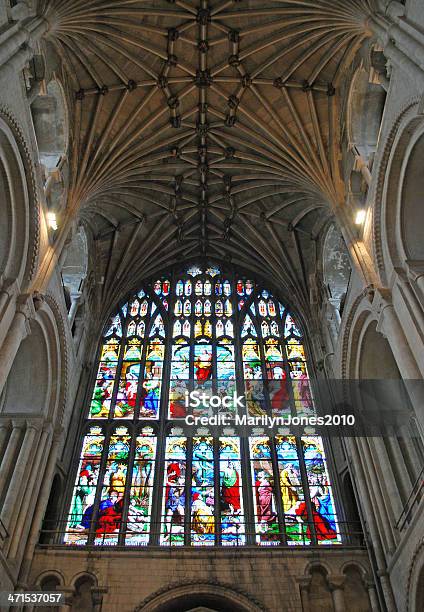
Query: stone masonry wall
{"type": "Point", "coordinates": [269, 578]}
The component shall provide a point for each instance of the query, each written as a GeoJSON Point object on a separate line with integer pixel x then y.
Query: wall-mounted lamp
{"type": "Point", "coordinates": [360, 217]}
{"type": "Point", "coordinates": [51, 220]}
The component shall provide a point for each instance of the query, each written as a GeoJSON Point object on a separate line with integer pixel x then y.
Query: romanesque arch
{"type": "Point", "coordinates": [398, 217]}
{"type": "Point", "coordinates": [19, 230]}
{"type": "Point", "coordinates": [193, 595]}
{"type": "Point", "coordinates": [37, 381]}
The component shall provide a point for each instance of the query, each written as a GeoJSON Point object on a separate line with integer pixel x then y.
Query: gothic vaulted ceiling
{"type": "Point", "coordinates": [205, 127]}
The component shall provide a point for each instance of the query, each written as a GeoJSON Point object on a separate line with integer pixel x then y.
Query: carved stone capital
{"type": "Point", "coordinates": [382, 300]}
{"type": "Point", "coordinates": [336, 581]}
{"type": "Point", "coordinates": [35, 425]}
{"type": "Point", "coordinates": [25, 306]}
{"type": "Point", "coordinates": [304, 582]}
{"type": "Point", "coordinates": [9, 286]}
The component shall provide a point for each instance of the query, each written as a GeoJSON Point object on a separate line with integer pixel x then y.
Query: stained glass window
{"type": "Point", "coordinates": [143, 479]}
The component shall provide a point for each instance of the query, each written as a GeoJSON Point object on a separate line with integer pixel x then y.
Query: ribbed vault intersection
{"type": "Point", "coordinates": [205, 127]}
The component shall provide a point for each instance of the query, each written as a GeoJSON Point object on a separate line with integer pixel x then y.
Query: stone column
{"type": "Point", "coordinates": [17, 481]}
{"type": "Point", "coordinates": [97, 597]}
{"type": "Point", "coordinates": [360, 473]}
{"type": "Point", "coordinates": [399, 46]}
{"type": "Point", "coordinates": [18, 331]}
{"type": "Point", "coordinates": [336, 585]}
{"type": "Point", "coordinates": [372, 595]}
{"type": "Point", "coordinates": [40, 506]}
{"type": "Point", "coordinates": [415, 271]}
{"type": "Point", "coordinates": [391, 328]}
{"type": "Point", "coordinates": [382, 514]}
{"type": "Point", "coordinates": [9, 454]}
{"type": "Point", "coordinates": [23, 517]}
{"type": "Point", "coordinates": [304, 583]}
{"type": "Point", "coordinates": [15, 50]}
{"type": "Point", "coordinates": [8, 289]}
{"type": "Point", "coordinates": [69, 593]}
{"type": "Point", "coordinates": [4, 432]}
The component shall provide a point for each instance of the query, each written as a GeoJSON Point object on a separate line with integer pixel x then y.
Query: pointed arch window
{"type": "Point", "coordinates": [141, 479]}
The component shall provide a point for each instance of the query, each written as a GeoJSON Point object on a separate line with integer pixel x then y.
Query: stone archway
{"type": "Point", "coordinates": [196, 597]}
{"type": "Point", "coordinates": [19, 230]}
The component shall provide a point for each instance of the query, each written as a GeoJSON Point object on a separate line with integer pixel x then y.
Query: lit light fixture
{"type": "Point", "coordinates": [360, 216]}
{"type": "Point", "coordinates": [51, 220]}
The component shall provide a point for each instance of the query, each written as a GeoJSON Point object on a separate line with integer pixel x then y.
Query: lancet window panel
{"type": "Point", "coordinates": [141, 480]}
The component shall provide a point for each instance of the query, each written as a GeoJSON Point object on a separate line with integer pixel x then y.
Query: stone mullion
{"type": "Point", "coordinates": [306, 491]}
{"type": "Point", "coordinates": [187, 488]}
{"type": "Point", "coordinates": [265, 388]}
{"type": "Point", "coordinates": [166, 374]}
{"type": "Point", "coordinates": [217, 499]}
{"type": "Point", "coordinates": [158, 488]}
{"type": "Point", "coordinates": [214, 320]}
{"type": "Point", "coordinates": [274, 461]}
{"type": "Point", "coordinates": [217, 496]}
{"type": "Point", "coordinates": [247, 490]}
{"type": "Point", "coordinates": [71, 484]}
{"type": "Point", "coordinates": [148, 321]}
{"type": "Point", "coordinates": [277, 492]}
{"type": "Point", "coordinates": [247, 487]}
{"type": "Point", "coordinates": [118, 367]}
{"type": "Point", "coordinates": [289, 384]}
{"type": "Point", "coordinates": [128, 481]}
{"type": "Point", "coordinates": [192, 341]}
{"type": "Point", "coordinates": [100, 484]}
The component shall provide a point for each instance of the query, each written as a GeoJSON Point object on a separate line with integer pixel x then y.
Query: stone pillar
{"type": "Point", "coordinates": [17, 481]}
{"type": "Point", "coordinates": [360, 473]}
{"type": "Point", "coordinates": [69, 593]}
{"type": "Point", "coordinates": [387, 591]}
{"type": "Point", "coordinates": [23, 517]}
{"type": "Point", "coordinates": [391, 328]}
{"type": "Point", "coordinates": [15, 50]}
{"type": "Point", "coordinates": [4, 433]}
{"type": "Point", "coordinates": [40, 506]}
{"type": "Point", "coordinates": [9, 455]}
{"type": "Point", "coordinates": [336, 585]}
{"type": "Point", "coordinates": [18, 331]}
{"type": "Point", "coordinates": [304, 583]}
{"type": "Point", "coordinates": [415, 271]}
{"type": "Point", "coordinates": [97, 597]}
{"type": "Point", "coordinates": [399, 45]}
{"type": "Point", "coordinates": [382, 514]}
{"type": "Point", "coordinates": [8, 289]}
{"type": "Point", "coordinates": [372, 595]}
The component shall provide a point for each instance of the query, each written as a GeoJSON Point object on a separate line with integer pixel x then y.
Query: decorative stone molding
{"type": "Point", "coordinates": [346, 333]}
{"type": "Point", "coordinates": [33, 196]}
{"type": "Point", "coordinates": [380, 182]}
{"type": "Point", "coordinates": [173, 589]}
{"type": "Point", "coordinates": [418, 552]}
{"type": "Point", "coordinates": [64, 353]}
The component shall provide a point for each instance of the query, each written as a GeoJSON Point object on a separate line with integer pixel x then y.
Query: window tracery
{"type": "Point", "coordinates": [142, 480]}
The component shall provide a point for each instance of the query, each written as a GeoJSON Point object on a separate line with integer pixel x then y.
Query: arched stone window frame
{"type": "Point", "coordinates": [164, 427]}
